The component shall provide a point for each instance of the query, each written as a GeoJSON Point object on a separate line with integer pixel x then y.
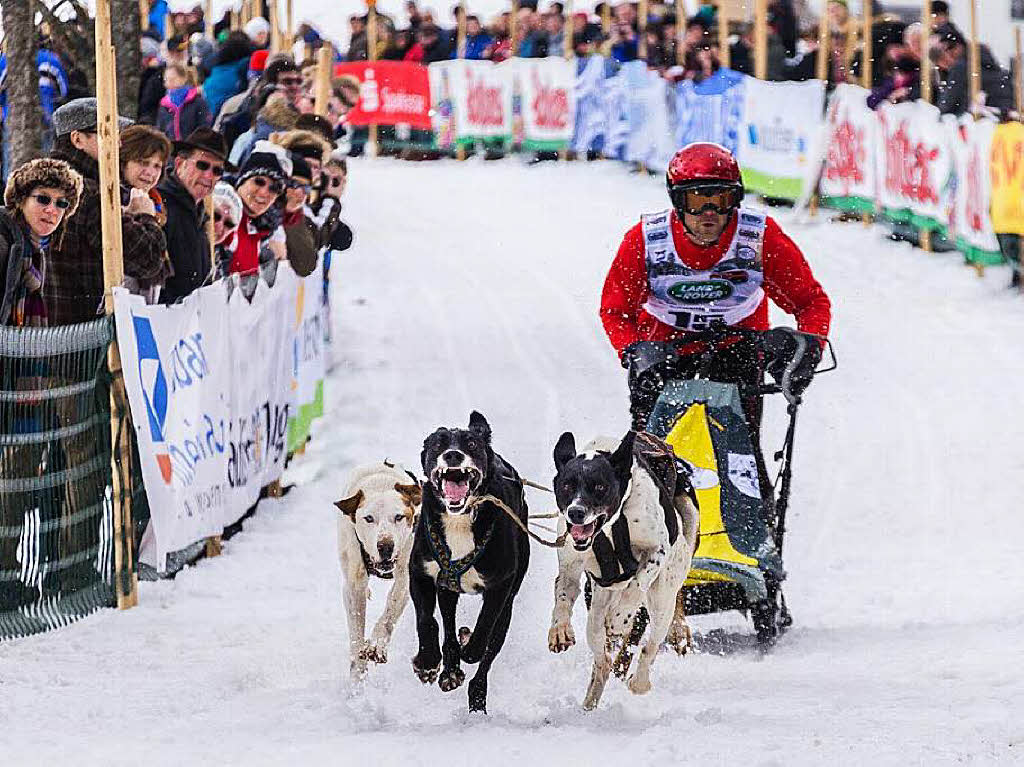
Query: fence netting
{"type": "Point", "coordinates": [56, 512]}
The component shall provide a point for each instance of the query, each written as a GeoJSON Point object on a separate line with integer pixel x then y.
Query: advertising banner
{"type": "Point", "coordinates": [971, 220]}
{"type": "Point", "coordinates": [711, 110]}
{"type": "Point", "coordinates": [480, 95]}
{"type": "Point", "coordinates": [1007, 174]}
{"type": "Point", "coordinates": [390, 93]}
{"type": "Point", "coordinates": [849, 174]}
{"type": "Point", "coordinates": [547, 90]}
{"type": "Point", "coordinates": [782, 124]}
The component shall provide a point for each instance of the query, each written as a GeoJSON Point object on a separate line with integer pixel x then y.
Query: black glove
{"type": "Point", "coordinates": [641, 356]}
{"type": "Point", "coordinates": [783, 346]}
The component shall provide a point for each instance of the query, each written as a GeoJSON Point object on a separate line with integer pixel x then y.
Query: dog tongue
{"type": "Point", "coordinates": [581, 532]}
{"type": "Point", "coordinates": [455, 491]}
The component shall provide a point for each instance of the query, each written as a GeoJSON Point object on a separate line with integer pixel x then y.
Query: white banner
{"type": "Point", "coordinates": [547, 90]}
{"type": "Point", "coordinates": [782, 126]}
{"type": "Point", "coordinates": [650, 137]}
{"type": "Point", "coordinates": [308, 360]}
{"type": "Point", "coordinates": [482, 99]}
{"type": "Point", "coordinates": [849, 177]}
{"type": "Point", "coordinates": [972, 220]}
{"type": "Point", "coordinates": [916, 173]}
{"type": "Point", "coordinates": [211, 383]}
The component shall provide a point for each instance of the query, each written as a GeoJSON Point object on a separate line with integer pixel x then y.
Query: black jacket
{"type": "Point", "coordinates": [151, 90]}
{"type": "Point", "coordinates": [187, 244]}
{"type": "Point", "coordinates": [995, 82]}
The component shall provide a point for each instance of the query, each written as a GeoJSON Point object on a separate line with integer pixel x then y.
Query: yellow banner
{"type": "Point", "coordinates": [1007, 167]}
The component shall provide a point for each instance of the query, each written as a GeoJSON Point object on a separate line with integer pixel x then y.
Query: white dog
{"type": "Point", "coordinates": [633, 530]}
{"type": "Point", "coordinates": [374, 538]}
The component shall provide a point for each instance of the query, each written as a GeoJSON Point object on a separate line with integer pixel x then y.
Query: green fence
{"type": "Point", "coordinates": [56, 512]}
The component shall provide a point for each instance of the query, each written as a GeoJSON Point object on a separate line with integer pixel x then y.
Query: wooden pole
{"type": "Point", "coordinates": [824, 45]}
{"type": "Point", "coordinates": [724, 54]}
{"type": "Point", "coordinates": [513, 29]}
{"type": "Point", "coordinates": [144, 15]}
{"type": "Point", "coordinates": [324, 65]}
{"type": "Point", "coordinates": [371, 42]}
{"type": "Point", "coordinates": [567, 49]}
{"type": "Point", "coordinates": [926, 87]}
{"type": "Point", "coordinates": [108, 140]}
{"type": "Point", "coordinates": [761, 39]}
{"type": "Point", "coordinates": [275, 30]}
{"type": "Point", "coordinates": [460, 32]}
{"type": "Point", "coordinates": [290, 20]}
{"type": "Point", "coordinates": [208, 19]}
{"type": "Point", "coordinates": [1018, 80]}
{"type": "Point", "coordinates": [213, 543]}
{"type": "Point", "coordinates": [641, 31]}
{"type": "Point", "coordinates": [606, 27]}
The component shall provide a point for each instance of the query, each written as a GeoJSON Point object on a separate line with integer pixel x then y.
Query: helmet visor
{"type": "Point", "coordinates": [696, 199]}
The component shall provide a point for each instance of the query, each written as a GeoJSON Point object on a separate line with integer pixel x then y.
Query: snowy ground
{"type": "Point", "coordinates": [903, 552]}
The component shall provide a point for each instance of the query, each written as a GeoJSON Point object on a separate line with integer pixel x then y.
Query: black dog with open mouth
{"type": "Point", "coordinates": [466, 545]}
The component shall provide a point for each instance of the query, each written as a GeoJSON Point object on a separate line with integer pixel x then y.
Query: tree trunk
{"type": "Point", "coordinates": [24, 113]}
{"type": "Point", "coordinates": [126, 30]}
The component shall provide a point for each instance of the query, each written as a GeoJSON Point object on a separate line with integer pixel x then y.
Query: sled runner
{"type": "Point", "coordinates": [738, 563]}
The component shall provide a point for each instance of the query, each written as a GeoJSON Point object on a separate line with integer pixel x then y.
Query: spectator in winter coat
{"type": "Point", "coordinates": [260, 181]}
{"type": "Point", "coordinates": [276, 116]}
{"type": "Point", "coordinates": [183, 109]}
{"type": "Point", "coordinates": [144, 153]}
{"type": "Point", "coordinates": [478, 42]}
{"type": "Point", "coordinates": [199, 162]}
{"type": "Point", "coordinates": [904, 84]}
{"type": "Point", "coordinates": [74, 285]}
{"type": "Point", "coordinates": [357, 50]}
{"type": "Point", "coordinates": [53, 83]}
{"type": "Point", "coordinates": [151, 86]}
{"type": "Point", "coordinates": [258, 32]}
{"type": "Point", "coordinates": [40, 196]}
{"type": "Point", "coordinates": [429, 47]}
{"type": "Point", "coordinates": [952, 61]}
{"type": "Point", "coordinates": [275, 74]}
{"type": "Point", "coordinates": [333, 234]}
{"type": "Point", "coordinates": [228, 75]}
{"type": "Point", "coordinates": [227, 215]}
{"type": "Point", "coordinates": [310, 146]}
{"type": "Point", "coordinates": [300, 237]}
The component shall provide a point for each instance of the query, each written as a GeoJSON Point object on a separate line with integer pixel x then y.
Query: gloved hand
{"type": "Point", "coordinates": [641, 356]}
{"type": "Point", "coordinates": [782, 346]}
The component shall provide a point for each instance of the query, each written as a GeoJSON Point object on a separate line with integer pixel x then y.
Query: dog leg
{"type": "Point", "coordinates": [679, 637]}
{"type": "Point", "coordinates": [567, 589]}
{"type": "Point", "coordinates": [478, 684]}
{"type": "Point", "coordinates": [354, 596]}
{"type": "Point", "coordinates": [424, 598]}
{"type": "Point", "coordinates": [452, 676]}
{"type": "Point", "coordinates": [597, 634]}
{"type": "Point", "coordinates": [380, 638]}
{"type": "Point", "coordinates": [661, 600]}
{"type": "Point", "coordinates": [494, 604]}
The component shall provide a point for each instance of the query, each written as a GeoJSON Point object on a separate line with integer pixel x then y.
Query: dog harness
{"type": "Point", "coordinates": [614, 553]}
{"type": "Point", "coordinates": [450, 572]}
{"type": "Point", "coordinates": [371, 568]}
{"type": "Point", "coordinates": [694, 299]}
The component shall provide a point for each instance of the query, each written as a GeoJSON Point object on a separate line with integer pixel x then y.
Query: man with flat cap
{"type": "Point", "coordinates": [73, 290]}
{"type": "Point", "coordinates": [199, 163]}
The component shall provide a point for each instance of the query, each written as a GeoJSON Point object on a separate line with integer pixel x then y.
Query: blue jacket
{"type": "Point", "coordinates": [53, 83]}
{"type": "Point", "coordinates": [225, 81]}
{"type": "Point", "coordinates": [476, 45]}
{"type": "Point", "coordinates": [158, 17]}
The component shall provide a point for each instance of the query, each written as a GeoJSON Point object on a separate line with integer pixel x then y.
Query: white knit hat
{"type": "Point", "coordinates": [225, 194]}
{"type": "Point", "coordinates": [256, 26]}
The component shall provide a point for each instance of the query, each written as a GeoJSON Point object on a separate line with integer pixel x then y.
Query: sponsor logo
{"type": "Point", "coordinates": [745, 253]}
{"type": "Point", "coordinates": [748, 233]}
{"type": "Point", "coordinates": [658, 220]}
{"type": "Point", "coordinates": [704, 292]}
{"type": "Point", "coordinates": [749, 218]}
{"type": "Point", "coordinates": [655, 236]}
{"type": "Point", "coordinates": [154, 391]}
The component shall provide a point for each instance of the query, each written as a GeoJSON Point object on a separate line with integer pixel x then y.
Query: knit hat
{"type": "Point", "coordinates": [256, 26]}
{"type": "Point", "coordinates": [43, 172]}
{"type": "Point", "coordinates": [80, 115]}
{"type": "Point", "coordinates": [306, 143]}
{"type": "Point", "coordinates": [150, 48]}
{"type": "Point", "coordinates": [268, 160]}
{"type": "Point", "coordinates": [317, 124]}
{"type": "Point", "coordinates": [258, 61]}
{"type": "Point", "coordinates": [225, 194]}
{"type": "Point", "coordinates": [300, 168]}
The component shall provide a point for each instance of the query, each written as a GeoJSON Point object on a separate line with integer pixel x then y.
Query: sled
{"type": "Point", "coordinates": [738, 563]}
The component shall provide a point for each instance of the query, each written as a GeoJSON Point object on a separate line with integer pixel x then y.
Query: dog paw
{"type": "Point", "coordinates": [426, 668]}
{"type": "Point", "coordinates": [451, 679]}
{"type": "Point", "coordinates": [376, 651]}
{"type": "Point", "coordinates": [561, 638]}
{"type": "Point", "coordinates": [357, 670]}
{"type": "Point", "coordinates": [472, 652]}
{"type": "Point", "coordinates": [640, 684]}
{"type": "Point", "coordinates": [680, 639]}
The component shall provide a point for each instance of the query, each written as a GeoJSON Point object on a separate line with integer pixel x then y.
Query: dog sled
{"type": "Point", "coordinates": [738, 563]}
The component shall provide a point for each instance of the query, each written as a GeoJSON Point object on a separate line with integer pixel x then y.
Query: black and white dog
{"type": "Point", "coordinates": [463, 545]}
{"type": "Point", "coordinates": [632, 520]}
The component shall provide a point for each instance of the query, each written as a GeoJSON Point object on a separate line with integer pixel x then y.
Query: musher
{"type": "Point", "coordinates": [709, 263]}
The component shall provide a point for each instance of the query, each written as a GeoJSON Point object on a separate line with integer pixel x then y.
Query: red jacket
{"type": "Point", "coordinates": [788, 281]}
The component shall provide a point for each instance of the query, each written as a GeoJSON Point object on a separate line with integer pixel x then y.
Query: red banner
{"type": "Point", "coordinates": [390, 93]}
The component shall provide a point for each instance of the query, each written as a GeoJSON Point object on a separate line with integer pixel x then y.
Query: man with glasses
{"type": "Point", "coordinates": [707, 262]}
{"type": "Point", "coordinates": [198, 164]}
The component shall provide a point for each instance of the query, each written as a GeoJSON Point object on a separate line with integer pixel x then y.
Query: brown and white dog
{"type": "Point", "coordinates": [378, 516]}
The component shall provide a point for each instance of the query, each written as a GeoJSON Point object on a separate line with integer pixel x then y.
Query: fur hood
{"type": "Point", "coordinates": [305, 143]}
{"type": "Point", "coordinates": [44, 172]}
{"type": "Point", "coordinates": [278, 113]}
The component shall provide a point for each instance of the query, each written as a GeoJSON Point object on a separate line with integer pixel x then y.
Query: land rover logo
{"type": "Point", "coordinates": [705, 292]}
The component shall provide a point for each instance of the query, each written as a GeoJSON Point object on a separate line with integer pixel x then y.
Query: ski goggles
{"type": "Point", "coordinates": [698, 199]}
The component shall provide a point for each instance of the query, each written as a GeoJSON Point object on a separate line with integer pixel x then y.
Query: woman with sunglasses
{"type": "Point", "coordinates": [707, 262]}
{"type": "Point", "coordinates": [39, 197]}
{"type": "Point", "coordinates": [259, 184]}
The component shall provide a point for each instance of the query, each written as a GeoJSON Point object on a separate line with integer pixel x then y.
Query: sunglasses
{"type": "Point", "coordinates": [45, 200]}
{"type": "Point", "coordinates": [228, 223]}
{"type": "Point", "coordinates": [697, 200]}
{"type": "Point", "coordinates": [275, 186]}
{"type": "Point", "coordinates": [299, 185]}
{"type": "Point", "coordinates": [202, 166]}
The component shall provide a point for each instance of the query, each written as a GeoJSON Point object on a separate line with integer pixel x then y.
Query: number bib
{"type": "Point", "coordinates": [694, 299]}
